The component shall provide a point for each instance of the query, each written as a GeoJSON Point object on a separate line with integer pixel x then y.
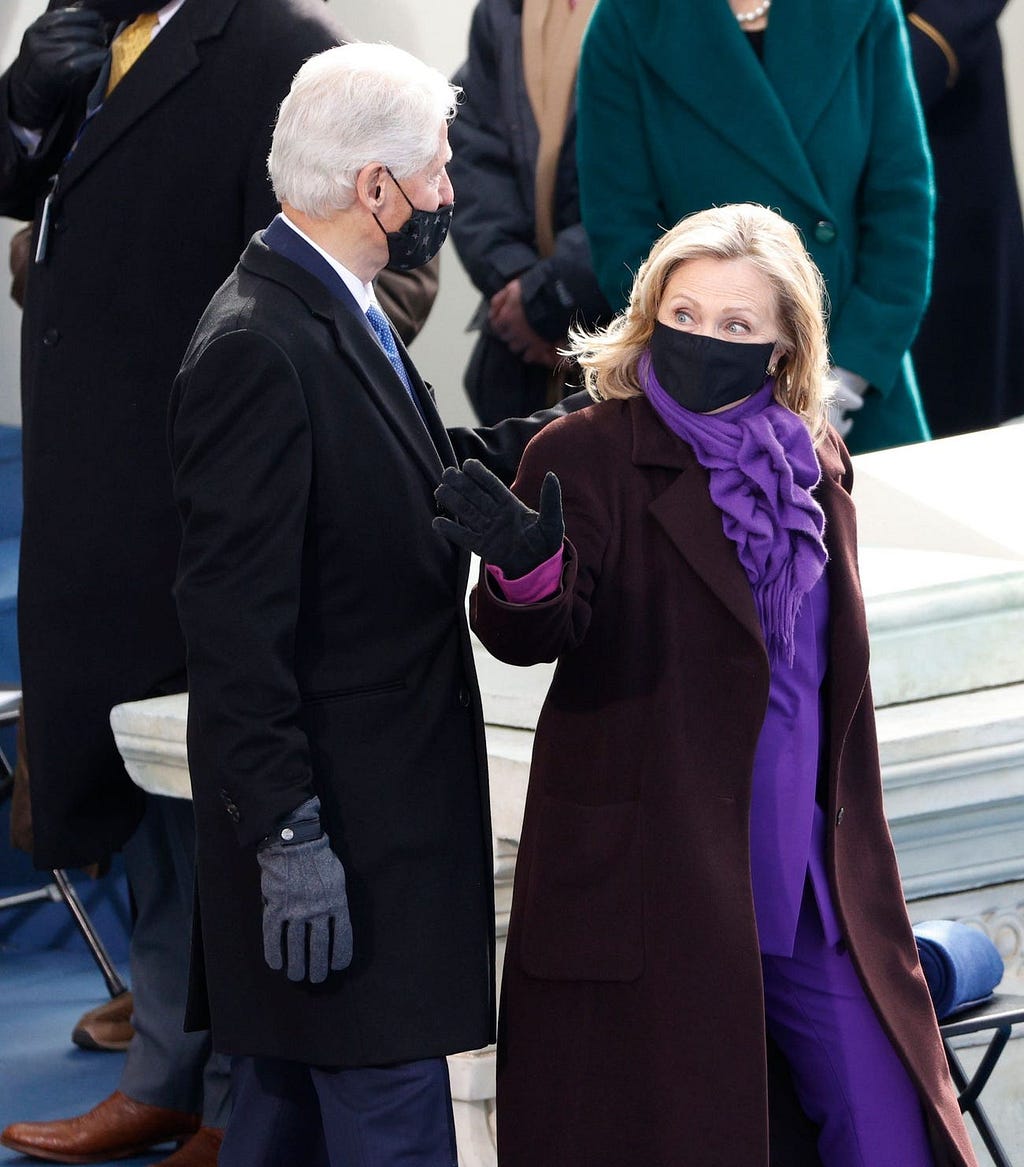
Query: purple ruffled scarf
{"type": "Point", "coordinates": [762, 468]}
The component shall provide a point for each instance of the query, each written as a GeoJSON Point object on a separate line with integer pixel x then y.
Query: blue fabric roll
{"type": "Point", "coordinates": [961, 964]}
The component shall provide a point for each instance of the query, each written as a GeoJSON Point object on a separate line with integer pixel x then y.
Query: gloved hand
{"type": "Point", "coordinates": [849, 397]}
{"type": "Point", "coordinates": [303, 885]}
{"type": "Point", "coordinates": [58, 49]}
{"type": "Point", "coordinates": [491, 521]}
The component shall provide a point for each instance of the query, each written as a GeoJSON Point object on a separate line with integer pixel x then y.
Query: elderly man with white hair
{"type": "Point", "coordinates": [344, 942]}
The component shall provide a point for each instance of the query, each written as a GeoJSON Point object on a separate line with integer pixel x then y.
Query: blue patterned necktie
{"type": "Point", "coordinates": [380, 326]}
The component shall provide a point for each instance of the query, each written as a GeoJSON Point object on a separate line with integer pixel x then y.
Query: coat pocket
{"type": "Point", "coordinates": [582, 918]}
{"type": "Point", "coordinates": [318, 696]}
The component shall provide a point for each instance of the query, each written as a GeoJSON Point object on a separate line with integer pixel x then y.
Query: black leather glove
{"type": "Point", "coordinates": [303, 885]}
{"type": "Point", "coordinates": [58, 49]}
{"type": "Point", "coordinates": [491, 521]}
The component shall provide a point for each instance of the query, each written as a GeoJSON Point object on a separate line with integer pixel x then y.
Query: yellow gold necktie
{"type": "Point", "coordinates": [129, 44]}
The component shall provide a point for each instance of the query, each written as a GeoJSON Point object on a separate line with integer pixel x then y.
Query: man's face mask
{"type": "Point", "coordinates": [119, 10]}
{"type": "Point", "coordinates": [419, 238]}
{"type": "Point", "coordinates": [703, 373]}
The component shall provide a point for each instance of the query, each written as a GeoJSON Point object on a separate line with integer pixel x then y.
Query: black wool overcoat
{"type": "Point", "coordinates": [163, 190]}
{"type": "Point", "coordinates": [632, 1025]}
{"type": "Point", "coordinates": [329, 653]}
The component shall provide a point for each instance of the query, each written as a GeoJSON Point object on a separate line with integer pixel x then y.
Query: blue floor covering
{"type": "Point", "coordinates": [42, 1075]}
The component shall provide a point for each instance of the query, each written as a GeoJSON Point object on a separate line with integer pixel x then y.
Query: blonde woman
{"type": "Point", "coordinates": [705, 869]}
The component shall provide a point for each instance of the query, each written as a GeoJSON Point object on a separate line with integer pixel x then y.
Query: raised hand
{"type": "Point", "coordinates": [488, 519]}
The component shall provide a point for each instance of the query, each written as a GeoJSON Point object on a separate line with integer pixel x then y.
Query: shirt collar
{"type": "Point", "coordinates": [361, 293]}
{"type": "Point", "coordinates": [165, 14]}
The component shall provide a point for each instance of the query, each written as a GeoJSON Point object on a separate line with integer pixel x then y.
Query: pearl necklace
{"type": "Point", "coordinates": [754, 13]}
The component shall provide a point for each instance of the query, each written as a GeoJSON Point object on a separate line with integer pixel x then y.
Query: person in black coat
{"type": "Point", "coordinates": [969, 353]}
{"type": "Point", "coordinates": [518, 230]}
{"type": "Point", "coordinates": [143, 193]}
{"type": "Point", "coordinates": [335, 732]}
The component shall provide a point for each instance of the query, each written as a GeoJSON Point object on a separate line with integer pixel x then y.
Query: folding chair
{"type": "Point", "coordinates": [61, 888]}
{"type": "Point", "coordinates": [1000, 1014]}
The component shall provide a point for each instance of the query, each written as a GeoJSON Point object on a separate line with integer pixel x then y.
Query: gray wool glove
{"type": "Point", "coordinates": [305, 910]}
{"type": "Point", "coordinates": [488, 519]}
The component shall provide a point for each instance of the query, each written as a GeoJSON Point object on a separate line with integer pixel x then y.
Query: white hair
{"type": "Point", "coordinates": [348, 106]}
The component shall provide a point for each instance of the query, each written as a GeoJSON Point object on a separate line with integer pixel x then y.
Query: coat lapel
{"type": "Point", "coordinates": [848, 632]}
{"type": "Point", "coordinates": [165, 64]}
{"type": "Point", "coordinates": [808, 48]}
{"type": "Point", "coordinates": [356, 341]}
{"type": "Point", "coordinates": [691, 520]}
{"type": "Point", "coordinates": [428, 407]}
{"type": "Point", "coordinates": [357, 344]}
{"type": "Point", "coordinates": [764, 111]}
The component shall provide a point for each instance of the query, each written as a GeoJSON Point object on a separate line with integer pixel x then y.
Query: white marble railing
{"type": "Point", "coordinates": [942, 563]}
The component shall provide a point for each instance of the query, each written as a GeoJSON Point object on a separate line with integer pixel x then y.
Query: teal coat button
{"type": "Point", "coordinates": [824, 231]}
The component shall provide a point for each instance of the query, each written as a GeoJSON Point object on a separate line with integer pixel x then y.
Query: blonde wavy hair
{"type": "Point", "coordinates": [610, 356]}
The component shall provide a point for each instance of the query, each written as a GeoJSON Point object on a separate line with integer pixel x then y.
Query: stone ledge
{"type": "Point", "coordinates": [150, 736]}
{"type": "Point", "coordinates": [952, 768]}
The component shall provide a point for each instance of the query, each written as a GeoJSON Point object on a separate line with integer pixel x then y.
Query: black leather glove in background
{"type": "Point", "coordinates": [58, 49]}
{"type": "Point", "coordinates": [305, 909]}
{"type": "Point", "coordinates": [491, 521]}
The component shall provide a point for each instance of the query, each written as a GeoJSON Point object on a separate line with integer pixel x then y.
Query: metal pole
{"type": "Point", "coordinates": [115, 986]}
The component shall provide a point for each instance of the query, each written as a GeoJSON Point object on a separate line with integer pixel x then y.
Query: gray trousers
{"type": "Point", "coordinates": [165, 1066]}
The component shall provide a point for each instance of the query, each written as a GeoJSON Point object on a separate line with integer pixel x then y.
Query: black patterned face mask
{"type": "Point", "coordinates": [703, 373]}
{"type": "Point", "coordinates": [419, 238]}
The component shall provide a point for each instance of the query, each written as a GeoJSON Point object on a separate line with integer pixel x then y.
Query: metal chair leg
{"type": "Point", "coordinates": [62, 888]}
{"type": "Point", "coordinates": [970, 1088]}
{"type": "Point", "coordinates": [115, 986]}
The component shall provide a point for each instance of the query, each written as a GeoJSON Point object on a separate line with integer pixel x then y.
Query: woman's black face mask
{"type": "Point", "coordinates": [703, 373]}
{"type": "Point", "coordinates": [419, 238]}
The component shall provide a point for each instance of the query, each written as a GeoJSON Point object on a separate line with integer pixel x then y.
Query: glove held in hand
{"type": "Point", "coordinates": [848, 397]}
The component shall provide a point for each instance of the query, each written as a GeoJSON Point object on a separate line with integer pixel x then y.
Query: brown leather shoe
{"type": "Point", "coordinates": [116, 1129]}
{"type": "Point", "coordinates": [107, 1027]}
{"type": "Point", "coordinates": [201, 1150]}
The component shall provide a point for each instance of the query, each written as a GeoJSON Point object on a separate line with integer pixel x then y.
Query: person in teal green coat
{"type": "Point", "coordinates": [806, 106]}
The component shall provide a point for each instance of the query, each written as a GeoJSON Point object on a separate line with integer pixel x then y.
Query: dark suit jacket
{"type": "Point", "coordinates": [329, 653]}
{"type": "Point", "coordinates": [633, 962]}
{"type": "Point", "coordinates": [164, 189]}
{"type": "Point", "coordinates": [969, 353]}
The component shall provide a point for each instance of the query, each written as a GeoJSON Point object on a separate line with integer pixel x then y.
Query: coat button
{"type": "Point", "coordinates": [839, 815]}
{"type": "Point", "coordinates": [464, 698]}
{"type": "Point", "coordinates": [60, 226]}
{"type": "Point", "coordinates": [824, 231]}
{"type": "Point", "coordinates": [50, 337]}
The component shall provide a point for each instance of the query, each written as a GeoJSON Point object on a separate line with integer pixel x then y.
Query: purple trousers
{"type": "Point", "coordinates": [847, 1075]}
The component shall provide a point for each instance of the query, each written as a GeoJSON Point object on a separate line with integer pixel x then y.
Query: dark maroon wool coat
{"type": "Point", "coordinates": [633, 1021]}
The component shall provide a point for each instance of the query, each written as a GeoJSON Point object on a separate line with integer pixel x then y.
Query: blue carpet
{"type": "Point", "coordinates": [42, 1075]}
